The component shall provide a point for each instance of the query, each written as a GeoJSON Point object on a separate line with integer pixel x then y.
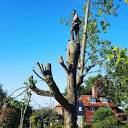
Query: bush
{"type": "Point", "coordinates": [109, 122]}
{"type": "Point", "coordinates": [104, 118]}
{"type": "Point", "coordinates": [126, 125]}
{"type": "Point", "coordinates": [87, 126]}
{"type": "Point", "coordinates": [102, 113]}
{"type": "Point", "coordinates": [56, 126]}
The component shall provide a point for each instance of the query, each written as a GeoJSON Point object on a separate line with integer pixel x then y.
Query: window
{"type": "Point", "coordinates": [92, 99]}
{"type": "Point", "coordinates": [105, 100]}
{"type": "Point", "coordinates": [92, 109]}
{"type": "Point", "coordinates": [91, 118]}
{"type": "Point", "coordinates": [79, 120]}
{"type": "Point", "coordinates": [80, 109]}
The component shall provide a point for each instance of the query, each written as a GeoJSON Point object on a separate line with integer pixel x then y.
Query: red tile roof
{"type": "Point", "coordinates": [85, 100]}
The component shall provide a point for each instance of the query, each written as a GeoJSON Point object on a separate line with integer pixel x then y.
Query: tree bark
{"type": "Point", "coordinates": [70, 117]}
{"type": "Point", "coordinates": [83, 45]}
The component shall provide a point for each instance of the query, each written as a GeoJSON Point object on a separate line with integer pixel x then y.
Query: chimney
{"type": "Point", "coordinates": [94, 91]}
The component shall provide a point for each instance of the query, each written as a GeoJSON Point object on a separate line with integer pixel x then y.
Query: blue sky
{"type": "Point", "coordinates": [30, 32]}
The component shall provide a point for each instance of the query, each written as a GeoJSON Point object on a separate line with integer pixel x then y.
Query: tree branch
{"type": "Point", "coordinates": [93, 65]}
{"type": "Point", "coordinates": [48, 78]}
{"type": "Point", "coordinates": [37, 90]}
{"type": "Point", "coordinates": [38, 74]}
{"type": "Point", "coordinates": [61, 61]}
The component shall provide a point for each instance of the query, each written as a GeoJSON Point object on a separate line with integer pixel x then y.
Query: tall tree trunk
{"type": "Point", "coordinates": [70, 117]}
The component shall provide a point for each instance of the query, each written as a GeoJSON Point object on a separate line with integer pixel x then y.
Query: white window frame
{"type": "Point", "coordinates": [104, 100]}
{"type": "Point", "coordinates": [92, 109]}
{"type": "Point", "coordinates": [80, 109]}
{"type": "Point", "coordinates": [92, 100]}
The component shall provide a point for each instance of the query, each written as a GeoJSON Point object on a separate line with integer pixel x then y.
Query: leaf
{"type": "Point", "coordinates": [100, 12]}
{"type": "Point", "coordinates": [126, 1]}
{"type": "Point", "coordinates": [104, 24]}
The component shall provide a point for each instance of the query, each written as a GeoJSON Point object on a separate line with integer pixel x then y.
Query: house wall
{"type": "Point", "coordinates": [89, 115]}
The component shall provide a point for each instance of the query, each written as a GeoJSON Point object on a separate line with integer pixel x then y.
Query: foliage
{"type": "Point", "coordinates": [14, 104]}
{"type": "Point", "coordinates": [91, 81]}
{"type": "Point", "coordinates": [110, 122]}
{"type": "Point", "coordinates": [9, 117]}
{"type": "Point", "coordinates": [39, 124]}
{"type": "Point", "coordinates": [117, 75]}
{"type": "Point", "coordinates": [87, 126]}
{"type": "Point", "coordinates": [56, 126]}
{"type": "Point", "coordinates": [96, 48]}
{"type": "Point", "coordinates": [115, 79]}
{"type": "Point", "coordinates": [104, 118]}
{"type": "Point", "coordinates": [102, 113]}
{"type": "Point", "coordinates": [126, 125]}
{"type": "Point", "coordinates": [10, 102]}
{"type": "Point", "coordinates": [2, 96]}
{"type": "Point", "coordinates": [126, 1]}
{"type": "Point", "coordinates": [33, 120]}
{"type": "Point", "coordinates": [126, 110]}
{"type": "Point", "coordinates": [46, 114]}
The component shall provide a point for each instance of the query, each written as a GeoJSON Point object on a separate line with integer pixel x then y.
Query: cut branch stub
{"type": "Point", "coordinates": [48, 69]}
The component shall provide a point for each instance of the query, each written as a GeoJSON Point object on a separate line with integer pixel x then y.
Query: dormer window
{"type": "Point", "coordinates": [105, 100]}
{"type": "Point", "coordinates": [92, 100]}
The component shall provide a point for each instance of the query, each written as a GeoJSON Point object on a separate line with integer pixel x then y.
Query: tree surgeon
{"type": "Point", "coordinates": [75, 26]}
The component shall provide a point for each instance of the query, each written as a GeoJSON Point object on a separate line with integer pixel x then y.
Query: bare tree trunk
{"type": "Point", "coordinates": [70, 117]}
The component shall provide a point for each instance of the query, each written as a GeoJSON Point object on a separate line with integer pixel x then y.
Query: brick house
{"type": "Point", "coordinates": [92, 102]}
{"type": "Point", "coordinates": [88, 104]}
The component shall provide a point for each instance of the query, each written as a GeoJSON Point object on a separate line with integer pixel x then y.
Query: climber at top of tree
{"type": "Point", "coordinates": [75, 26]}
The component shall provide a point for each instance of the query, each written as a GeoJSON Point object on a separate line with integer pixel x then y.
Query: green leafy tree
{"type": "Point", "coordinates": [10, 114]}
{"type": "Point", "coordinates": [104, 118]}
{"type": "Point", "coordinates": [117, 75]}
{"type": "Point", "coordinates": [91, 81]}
